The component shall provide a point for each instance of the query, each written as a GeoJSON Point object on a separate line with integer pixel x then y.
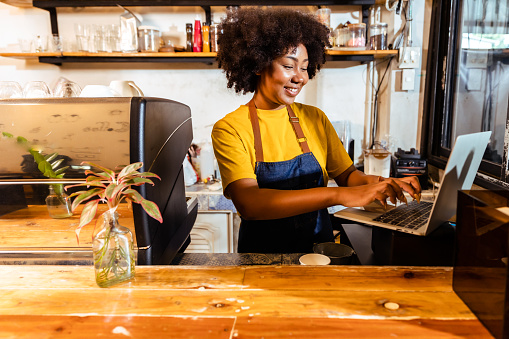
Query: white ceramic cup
{"type": "Point", "coordinates": [98, 91]}
{"type": "Point", "coordinates": [126, 88]}
{"type": "Point", "coordinates": [314, 259]}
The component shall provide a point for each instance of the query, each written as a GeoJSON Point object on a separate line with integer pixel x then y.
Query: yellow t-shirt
{"type": "Point", "coordinates": [233, 141]}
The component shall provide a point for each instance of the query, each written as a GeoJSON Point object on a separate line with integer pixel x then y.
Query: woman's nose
{"type": "Point", "coordinates": [298, 77]}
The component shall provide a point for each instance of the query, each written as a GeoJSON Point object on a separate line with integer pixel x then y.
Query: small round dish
{"type": "Point", "coordinates": [314, 259]}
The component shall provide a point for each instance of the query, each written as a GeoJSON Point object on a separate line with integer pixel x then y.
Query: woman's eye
{"type": "Point", "coordinates": [287, 67]}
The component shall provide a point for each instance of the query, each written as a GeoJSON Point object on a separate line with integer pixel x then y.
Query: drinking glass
{"type": "Point", "coordinates": [342, 128]}
{"type": "Point", "coordinates": [113, 38]}
{"type": "Point", "coordinates": [41, 43]}
{"type": "Point", "coordinates": [91, 35]}
{"type": "Point", "coordinates": [81, 31]}
{"type": "Point", "coordinates": [99, 39]}
{"type": "Point", "coordinates": [67, 89]}
{"type": "Point", "coordinates": [36, 89]}
{"type": "Point", "coordinates": [55, 43]}
{"type": "Point", "coordinates": [10, 90]}
{"type": "Point", "coordinates": [25, 45]}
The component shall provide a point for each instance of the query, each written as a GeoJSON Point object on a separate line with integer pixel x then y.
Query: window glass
{"type": "Point", "coordinates": [480, 95]}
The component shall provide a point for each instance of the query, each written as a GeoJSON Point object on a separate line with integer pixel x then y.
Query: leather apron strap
{"type": "Point", "coordinates": [294, 120]}
{"type": "Point", "coordinates": [298, 130]}
{"type": "Point", "coordinates": [256, 131]}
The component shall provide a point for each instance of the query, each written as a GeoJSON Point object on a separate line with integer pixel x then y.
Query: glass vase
{"type": "Point", "coordinates": [114, 258]}
{"type": "Point", "coordinates": [58, 203]}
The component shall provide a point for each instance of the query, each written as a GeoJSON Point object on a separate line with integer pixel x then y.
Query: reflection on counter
{"type": "Point", "coordinates": [234, 259]}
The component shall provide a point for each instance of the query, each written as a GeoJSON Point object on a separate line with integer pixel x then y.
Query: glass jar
{"type": "Point", "coordinates": [58, 203]}
{"type": "Point", "coordinates": [378, 36]}
{"type": "Point", "coordinates": [356, 35]}
{"type": "Point", "coordinates": [149, 39]}
{"type": "Point", "coordinates": [113, 247]}
{"type": "Point", "coordinates": [323, 15]}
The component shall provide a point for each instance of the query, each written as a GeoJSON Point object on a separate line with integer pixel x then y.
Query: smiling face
{"type": "Point", "coordinates": [283, 80]}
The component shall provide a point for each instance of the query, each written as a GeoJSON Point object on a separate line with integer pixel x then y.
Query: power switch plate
{"type": "Point", "coordinates": [408, 80]}
{"type": "Point", "coordinates": [410, 57]}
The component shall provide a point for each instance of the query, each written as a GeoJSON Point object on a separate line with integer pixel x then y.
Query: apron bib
{"type": "Point", "coordinates": [295, 234]}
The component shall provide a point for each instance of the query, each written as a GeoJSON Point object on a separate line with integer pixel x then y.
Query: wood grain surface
{"type": "Point", "coordinates": [32, 227]}
{"type": "Point", "coordinates": [235, 302]}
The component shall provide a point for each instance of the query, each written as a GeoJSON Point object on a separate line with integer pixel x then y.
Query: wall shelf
{"type": "Point", "coordinates": [52, 5]}
{"type": "Point", "coordinates": [208, 58]}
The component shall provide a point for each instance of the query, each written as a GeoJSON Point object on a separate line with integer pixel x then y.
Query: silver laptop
{"type": "Point", "coordinates": [424, 217]}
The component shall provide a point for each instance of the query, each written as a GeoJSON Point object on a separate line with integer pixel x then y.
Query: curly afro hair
{"type": "Point", "coordinates": [251, 38]}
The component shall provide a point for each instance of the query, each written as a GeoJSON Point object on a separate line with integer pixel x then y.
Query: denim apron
{"type": "Point", "coordinates": [295, 234]}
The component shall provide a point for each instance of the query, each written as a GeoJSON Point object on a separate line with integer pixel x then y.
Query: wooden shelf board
{"type": "Point", "coordinates": [383, 53]}
{"type": "Point", "coordinates": [29, 55]}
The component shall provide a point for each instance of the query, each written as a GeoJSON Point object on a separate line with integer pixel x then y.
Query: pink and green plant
{"type": "Point", "coordinates": [112, 188]}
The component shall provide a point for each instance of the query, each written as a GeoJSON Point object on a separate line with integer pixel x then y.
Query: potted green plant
{"type": "Point", "coordinates": [57, 202]}
{"type": "Point", "coordinates": [113, 248]}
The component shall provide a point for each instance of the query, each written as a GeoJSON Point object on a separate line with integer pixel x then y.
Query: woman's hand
{"type": "Point", "coordinates": [362, 195]}
{"type": "Point", "coordinates": [364, 189]}
{"type": "Point", "coordinates": [410, 185]}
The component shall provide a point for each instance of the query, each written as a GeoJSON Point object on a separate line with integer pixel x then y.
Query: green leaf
{"type": "Point", "coordinates": [50, 157]}
{"type": "Point", "coordinates": [61, 170]}
{"type": "Point", "coordinates": [139, 181]}
{"type": "Point", "coordinates": [87, 215]}
{"type": "Point", "coordinates": [149, 175]}
{"type": "Point", "coordinates": [118, 189]}
{"type": "Point", "coordinates": [8, 135]}
{"type": "Point", "coordinates": [84, 195]}
{"type": "Point", "coordinates": [57, 163]}
{"type": "Point", "coordinates": [86, 185]}
{"type": "Point", "coordinates": [21, 140]}
{"type": "Point", "coordinates": [37, 156]}
{"type": "Point", "coordinates": [106, 170]}
{"type": "Point", "coordinates": [49, 174]}
{"type": "Point", "coordinates": [134, 195]}
{"type": "Point", "coordinates": [152, 209]}
{"type": "Point", "coordinates": [129, 169]}
{"type": "Point", "coordinates": [44, 167]}
{"type": "Point", "coordinates": [109, 190]}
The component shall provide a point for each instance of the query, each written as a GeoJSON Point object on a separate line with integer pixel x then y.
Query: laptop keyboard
{"type": "Point", "coordinates": [412, 216]}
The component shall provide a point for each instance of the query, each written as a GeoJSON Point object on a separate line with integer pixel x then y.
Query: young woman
{"type": "Point", "coordinates": [275, 155]}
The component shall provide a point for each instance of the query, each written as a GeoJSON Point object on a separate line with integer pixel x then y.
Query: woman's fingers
{"type": "Point", "coordinates": [411, 186]}
{"type": "Point", "coordinates": [393, 190]}
{"type": "Point", "coordinates": [382, 198]}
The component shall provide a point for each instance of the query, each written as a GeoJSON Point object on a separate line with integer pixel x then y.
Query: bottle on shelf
{"type": "Point", "coordinates": [189, 37]}
{"type": "Point", "coordinates": [197, 45]}
{"type": "Point", "coordinates": [206, 37]}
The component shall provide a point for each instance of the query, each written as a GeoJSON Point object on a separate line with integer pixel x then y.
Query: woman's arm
{"type": "Point", "coordinates": [255, 203]}
{"type": "Point", "coordinates": [354, 177]}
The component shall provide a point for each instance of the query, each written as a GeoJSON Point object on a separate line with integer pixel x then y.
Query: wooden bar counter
{"type": "Point", "coordinates": [45, 301]}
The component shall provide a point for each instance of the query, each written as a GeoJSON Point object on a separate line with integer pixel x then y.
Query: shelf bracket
{"type": "Point", "coordinates": [365, 17]}
{"type": "Point", "coordinates": [53, 19]}
{"type": "Point", "coordinates": [208, 15]}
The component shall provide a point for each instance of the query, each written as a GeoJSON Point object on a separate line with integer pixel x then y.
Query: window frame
{"type": "Point", "coordinates": [443, 53]}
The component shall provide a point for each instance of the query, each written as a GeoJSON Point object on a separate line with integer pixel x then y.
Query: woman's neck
{"type": "Point", "coordinates": [261, 103]}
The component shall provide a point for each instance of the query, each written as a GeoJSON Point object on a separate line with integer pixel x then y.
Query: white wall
{"type": "Point", "coordinates": [341, 89]}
